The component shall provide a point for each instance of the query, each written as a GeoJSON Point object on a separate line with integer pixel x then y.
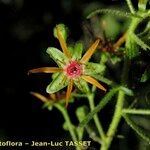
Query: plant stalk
{"type": "Point", "coordinates": [68, 121]}
{"type": "Point", "coordinates": [115, 121]}
{"type": "Point", "coordinates": [96, 119]}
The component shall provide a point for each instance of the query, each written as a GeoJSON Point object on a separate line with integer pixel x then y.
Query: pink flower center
{"type": "Point", "coordinates": [73, 69]}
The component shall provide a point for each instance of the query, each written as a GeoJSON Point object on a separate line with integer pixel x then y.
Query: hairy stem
{"type": "Point", "coordinates": [115, 121]}
{"type": "Point", "coordinates": [130, 5]}
{"type": "Point", "coordinates": [96, 120]}
{"type": "Point", "coordinates": [136, 111]}
{"type": "Point", "coordinates": [68, 121]}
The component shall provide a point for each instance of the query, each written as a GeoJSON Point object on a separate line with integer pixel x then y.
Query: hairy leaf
{"type": "Point", "coordinates": [57, 56]}
{"type": "Point", "coordinates": [112, 12]}
{"type": "Point", "coordinates": [132, 49]}
{"type": "Point", "coordinates": [93, 68]}
{"type": "Point", "coordinates": [137, 129]}
{"type": "Point", "coordinates": [127, 91]}
{"type": "Point", "coordinates": [81, 85]}
{"type": "Point", "coordinates": [140, 42]}
{"type": "Point", "coordinates": [77, 51]}
{"type": "Point", "coordinates": [59, 82]}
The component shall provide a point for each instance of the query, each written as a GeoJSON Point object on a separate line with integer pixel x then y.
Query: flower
{"type": "Point", "coordinates": [72, 68]}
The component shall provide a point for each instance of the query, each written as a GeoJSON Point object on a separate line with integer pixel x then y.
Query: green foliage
{"type": "Point", "coordinates": [95, 68]}
{"type": "Point", "coordinates": [63, 30]}
{"type": "Point", "coordinates": [132, 49]}
{"type": "Point", "coordinates": [112, 12]}
{"type": "Point", "coordinates": [142, 4]}
{"type": "Point", "coordinates": [57, 84]}
{"type": "Point", "coordinates": [77, 51]}
{"type": "Point", "coordinates": [57, 56]}
{"type": "Point", "coordinates": [127, 91]}
{"type": "Point", "coordinates": [100, 106]}
{"type": "Point", "coordinates": [82, 85]}
{"type": "Point", "coordinates": [137, 129]}
{"type": "Point", "coordinates": [146, 75]}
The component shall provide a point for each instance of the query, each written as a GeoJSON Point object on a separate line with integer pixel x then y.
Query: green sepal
{"type": "Point", "coordinates": [78, 49]}
{"type": "Point", "coordinates": [57, 56]}
{"type": "Point", "coordinates": [71, 49]}
{"type": "Point", "coordinates": [93, 68]}
{"type": "Point", "coordinates": [58, 83]}
{"type": "Point", "coordinates": [81, 85]}
{"type": "Point", "coordinates": [54, 75]}
{"type": "Point", "coordinates": [63, 30]}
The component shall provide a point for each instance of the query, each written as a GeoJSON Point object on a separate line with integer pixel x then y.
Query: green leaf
{"type": "Point", "coordinates": [137, 129]}
{"type": "Point", "coordinates": [63, 30]}
{"type": "Point", "coordinates": [82, 85]}
{"type": "Point", "coordinates": [112, 27]}
{"type": "Point", "coordinates": [146, 75]}
{"type": "Point", "coordinates": [142, 5]}
{"type": "Point", "coordinates": [57, 56]}
{"type": "Point", "coordinates": [80, 113]}
{"type": "Point", "coordinates": [104, 57]}
{"type": "Point", "coordinates": [127, 91]}
{"type": "Point", "coordinates": [140, 42]}
{"type": "Point", "coordinates": [112, 12]}
{"type": "Point", "coordinates": [114, 59]}
{"type": "Point", "coordinates": [57, 84]}
{"type": "Point", "coordinates": [137, 111]}
{"type": "Point", "coordinates": [132, 49]}
{"type": "Point", "coordinates": [65, 126]}
{"type": "Point", "coordinates": [93, 68]}
{"type": "Point", "coordinates": [103, 102]}
{"type": "Point", "coordinates": [78, 49]}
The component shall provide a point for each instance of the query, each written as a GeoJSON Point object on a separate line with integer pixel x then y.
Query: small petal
{"type": "Point", "coordinates": [45, 70]}
{"type": "Point", "coordinates": [62, 43]}
{"type": "Point", "coordinates": [69, 89]}
{"type": "Point", "coordinates": [120, 41]}
{"type": "Point", "coordinates": [89, 52]}
{"type": "Point", "coordinates": [81, 85]}
{"type": "Point", "coordinates": [39, 96]}
{"type": "Point", "coordinates": [58, 83]}
{"type": "Point", "coordinates": [57, 56]}
{"type": "Point", "coordinates": [94, 82]}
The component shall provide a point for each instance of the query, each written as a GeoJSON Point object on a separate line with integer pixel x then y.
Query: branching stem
{"type": "Point", "coordinates": [96, 119]}
{"type": "Point", "coordinates": [65, 114]}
